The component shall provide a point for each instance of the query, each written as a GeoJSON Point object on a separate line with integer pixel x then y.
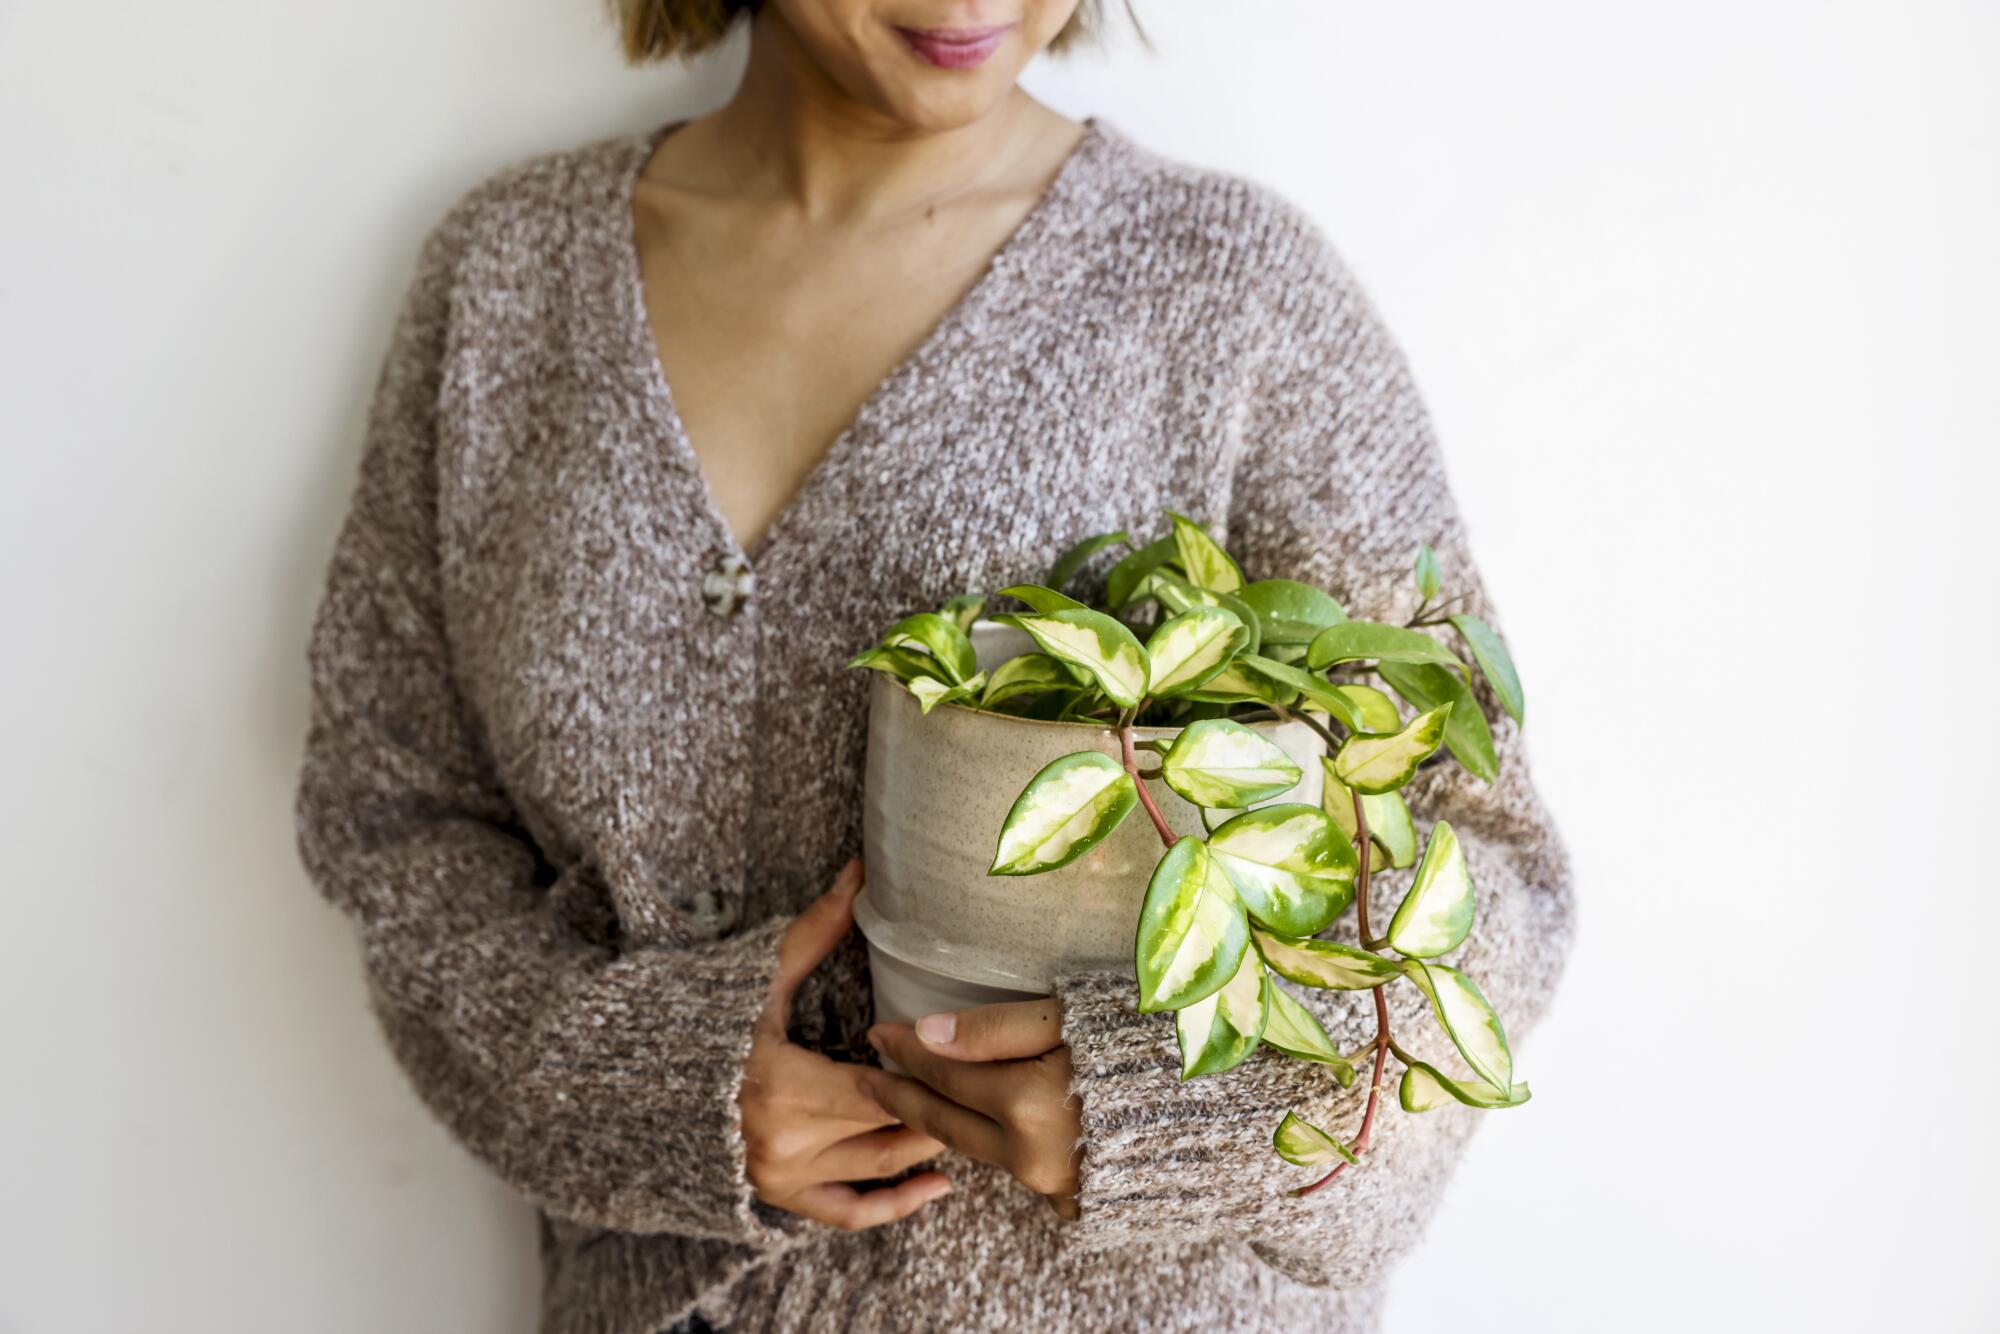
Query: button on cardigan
{"type": "Point", "coordinates": [575, 758]}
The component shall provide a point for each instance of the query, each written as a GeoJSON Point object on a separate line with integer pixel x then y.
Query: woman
{"type": "Point", "coordinates": [671, 425]}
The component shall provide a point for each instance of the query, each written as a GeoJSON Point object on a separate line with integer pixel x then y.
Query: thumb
{"type": "Point", "coordinates": [810, 938]}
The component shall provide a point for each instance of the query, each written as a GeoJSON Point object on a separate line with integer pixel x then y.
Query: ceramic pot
{"type": "Point", "coordinates": [942, 934]}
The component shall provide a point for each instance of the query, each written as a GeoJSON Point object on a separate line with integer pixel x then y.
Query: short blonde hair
{"type": "Point", "coordinates": [650, 30]}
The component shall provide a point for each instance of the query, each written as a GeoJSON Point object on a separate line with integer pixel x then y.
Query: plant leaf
{"type": "Point", "coordinates": [1026, 674]}
{"type": "Point", "coordinates": [1253, 633]}
{"type": "Point", "coordinates": [1355, 641]}
{"type": "Point", "coordinates": [1216, 762]}
{"type": "Point", "coordinates": [1217, 1032]}
{"type": "Point", "coordinates": [1073, 560]}
{"type": "Point", "coordinates": [1289, 612]}
{"type": "Point", "coordinates": [1192, 931]}
{"type": "Point", "coordinates": [1436, 914]}
{"type": "Point", "coordinates": [901, 663]}
{"type": "Point", "coordinates": [1372, 764]}
{"type": "Point", "coordinates": [1315, 689]}
{"type": "Point", "coordinates": [1389, 826]}
{"type": "Point", "coordinates": [939, 637]}
{"type": "Point", "coordinates": [1202, 559]}
{"type": "Point", "coordinates": [1292, 1029]}
{"type": "Point", "coordinates": [1040, 598]}
{"type": "Point", "coordinates": [1065, 810]}
{"type": "Point", "coordinates": [1467, 1019]}
{"type": "Point", "coordinates": [931, 692]}
{"type": "Point", "coordinates": [1490, 652]}
{"type": "Point", "coordinates": [1303, 1144]}
{"type": "Point", "coordinates": [1236, 684]}
{"type": "Point", "coordinates": [1123, 581]}
{"type": "Point", "coordinates": [1325, 964]}
{"type": "Point", "coordinates": [1377, 712]}
{"type": "Point", "coordinates": [1425, 1087]}
{"type": "Point", "coordinates": [1289, 863]}
{"type": "Point", "coordinates": [1177, 594]}
{"type": "Point", "coordinates": [1095, 642]}
{"type": "Point", "coordinates": [1466, 732]}
{"type": "Point", "coordinates": [963, 610]}
{"type": "Point", "coordinates": [1428, 581]}
{"type": "Point", "coordinates": [1188, 649]}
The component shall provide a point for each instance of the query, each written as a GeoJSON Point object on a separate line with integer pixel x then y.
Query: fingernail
{"type": "Point", "coordinates": [937, 1029]}
{"type": "Point", "coordinates": [875, 1038]}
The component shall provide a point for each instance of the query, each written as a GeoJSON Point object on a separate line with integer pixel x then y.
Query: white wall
{"type": "Point", "coordinates": [1702, 298]}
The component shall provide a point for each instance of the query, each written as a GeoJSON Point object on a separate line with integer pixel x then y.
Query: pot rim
{"type": "Point", "coordinates": [1148, 730]}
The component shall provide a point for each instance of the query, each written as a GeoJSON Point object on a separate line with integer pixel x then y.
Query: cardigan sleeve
{"type": "Point", "coordinates": [1338, 479]}
{"type": "Point", "coordinates": [598, 1079]}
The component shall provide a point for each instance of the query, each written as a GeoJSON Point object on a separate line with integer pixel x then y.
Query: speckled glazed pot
{"type": "Point", "coordinates": [942, 934]}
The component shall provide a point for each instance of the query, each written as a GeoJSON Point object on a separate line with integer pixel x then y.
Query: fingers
{"type": "Point", "coordinates": [845, 1207]}
{"type": "Point", "coordinates": [921, 1110]}
{"type": "Point", "coordinates": [1011, 1031]}
{"type": "Point", "coordinates": [838, 1092]}
{"type": "Point", "coordinates": [983, 1086]}
{"type": "Point", "coordinates": [811, 937]}
{"type": "Point", "coordinates": [878, 1153]}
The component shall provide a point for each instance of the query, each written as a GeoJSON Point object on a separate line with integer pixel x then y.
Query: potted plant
{"type": "Point", "coordinates": [1245, 721]}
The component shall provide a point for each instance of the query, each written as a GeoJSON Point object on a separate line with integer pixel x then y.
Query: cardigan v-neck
{"type": "Point", "coordinates": [571, 804]}
{"type": "Point", "coordinates": [1017, 248]}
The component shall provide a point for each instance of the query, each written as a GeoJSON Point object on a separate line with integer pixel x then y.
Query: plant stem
{"type": "Point", "coordinates": [1167, 836]}
{"type": "Point", "coordinates": [1383, 1042]}
{"type": "Point", "coordinates": [1332, 741]}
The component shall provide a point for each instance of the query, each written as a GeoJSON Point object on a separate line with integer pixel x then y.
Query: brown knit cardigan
{"type": "Point", "coordinates": [570, 803]}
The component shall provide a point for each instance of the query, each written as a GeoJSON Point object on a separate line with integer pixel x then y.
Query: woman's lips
{"type": "Point", "coordinates": [955, 48]}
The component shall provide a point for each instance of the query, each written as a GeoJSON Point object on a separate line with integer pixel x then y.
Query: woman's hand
{"type": "Point", "coordinates": [809, 1125]}
{"type": "Point", "coordinates": [992, 1083]}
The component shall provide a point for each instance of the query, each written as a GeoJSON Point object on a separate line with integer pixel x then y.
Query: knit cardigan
{"type": "Point", "coordinates": [570, 778]}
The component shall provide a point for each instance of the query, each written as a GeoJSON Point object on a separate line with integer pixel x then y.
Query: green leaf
{"type": "Point", "coordinates": [1291, 1028]}
{"type": "Point", "coordinates": [1355, 641]}
{"type": "Point", "coordinates": [1466, 732]}
{"type": "Point", "coordinates": [1066, 810]}
{"type": "Point", "coordinates": [1177, 594]}
{"type": "Point", "coordinates": [1290, 612]}
{"type": "Point", "coordinates": [1188, 649]}
{"type": "Point", "coordinates": [931, 692]}
{"type": "Point", "coordinates": [1041, 599]}
{"type": "Point", "coordinates": [1027, 674]}
{"type": "Point", "coordinates": [1236, 684]}
{"type": "Point", "coordinates": [1315, 689]}
{"type": "Point", "coordinates": [1122, 583]}
{"type": "Point", "coordinates": [939, 637]}
{"type": "Point", "coordinates": [900, 663]}
{"type": "Point", "coordinates": [1216, 762]}
{"type": "Point", "coordinates": [1372, 764]}
{"type": "Point", "coordinates": [1289, 863]}
{"type": "Point", "coordinates": [1073, 560]}
{"type": "Point", "coordinates": [963, 610]}
{"type": "Point", "coordinates": [1428, 581]}
{"type": "Point", "coordinates": [1325, 964]}
{"type": "Point", "coordinates": [1467, 1019]}
{"type": "Point", "coordinates": [1304, 1144]}
{"type": "Point", "coordinates": [1253, 632]}
{"type": "Point", "coordinates": [1436, 914]}
{"type": "Point", "coordinates": [1425, 1087]}
{"type": "Point", "coordinates": [1095, 642]}
{"type": "Point", "coordinates": [1390, 828]}
{"type": "Point", "coordinates": [1202, 558]}
{"type": "Point", "coordinates": [1192, 931]}
{"type": "Point", "coordinates": [1377, 712]}
{"type": "Point", "coordinates": [1494, 661]}
{"type": "Point", "coordinates": [1217, 1032]}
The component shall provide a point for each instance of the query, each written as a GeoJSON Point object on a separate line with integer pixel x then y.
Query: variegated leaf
{"type": "Point", "coordinates": [1291, 1028]}
{"type": "Point", "coordinates": [1066, 810]}
{"type": "Point", "coordinates": [1253, 634]}
{"type": "Point", "coordinates": [1289, 863]}
{"type": "Point", "coordinates": [1040, 598]}
{"type": "Point", "coordinates": [1027, 674]}
{"type": "Point", "coordinates": [1425, 1087]}
{"type": "Point", "coordinates": [963, 610]}
{"type": "Point", "coordinates": [1202, 559]}
{"type": "Point", "coordinates": [1467, 1019]}
{"type": "Point", "coordinates": [1325, 964]}
{"type": "Point", "coordinates": [1073, 560]}
{"type": "Point", "coordinates": [941, 638]}
{"type": "Point", "coordinates": [1357, 641]}
{"type": "Point", "coordinates": [1377, 712]}
{"type": "Point", "coordinates": [1437, 912]}
{"type": "Point", "coordinates": [1315, 690]}
{"type": "Point", "coordinates": [1289, 612]}
{"type": "Point", "coordinates": [1188, 649]}
{"type": "Point", "coordinates": [1466, 732]}
{"type": "Point", "coordinates": [1192, 930]}
{"type": "Point", "coordinates": [1490, 652]}
{"type": "Point", "coordinates": [1235, 684]}
{"type": "Point", "coordinates": [1177, 594]}
{"type": "Point", "coordinates": [901, 663]}
{"type": "Point", "coordinates": [1390, 828]}
{"type": "Point", "coordinates": [1122, 584]}
{"type": "Point", "coordinates": [1218, 1031]}
{"type": "Point", "coordinates": [931, 692]}
{"type": "Point", "coordinates": [1094, 642]}
{"type": "Point", "coordinates": [1373, 764]}
{"type": "Point", "coordinates": [1303, 1144]}
{"type": "Point", "coordinates": [1216, 762]}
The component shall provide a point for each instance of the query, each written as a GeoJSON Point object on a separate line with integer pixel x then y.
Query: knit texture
{"type": "Point", "coordinates": [570, 803]}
